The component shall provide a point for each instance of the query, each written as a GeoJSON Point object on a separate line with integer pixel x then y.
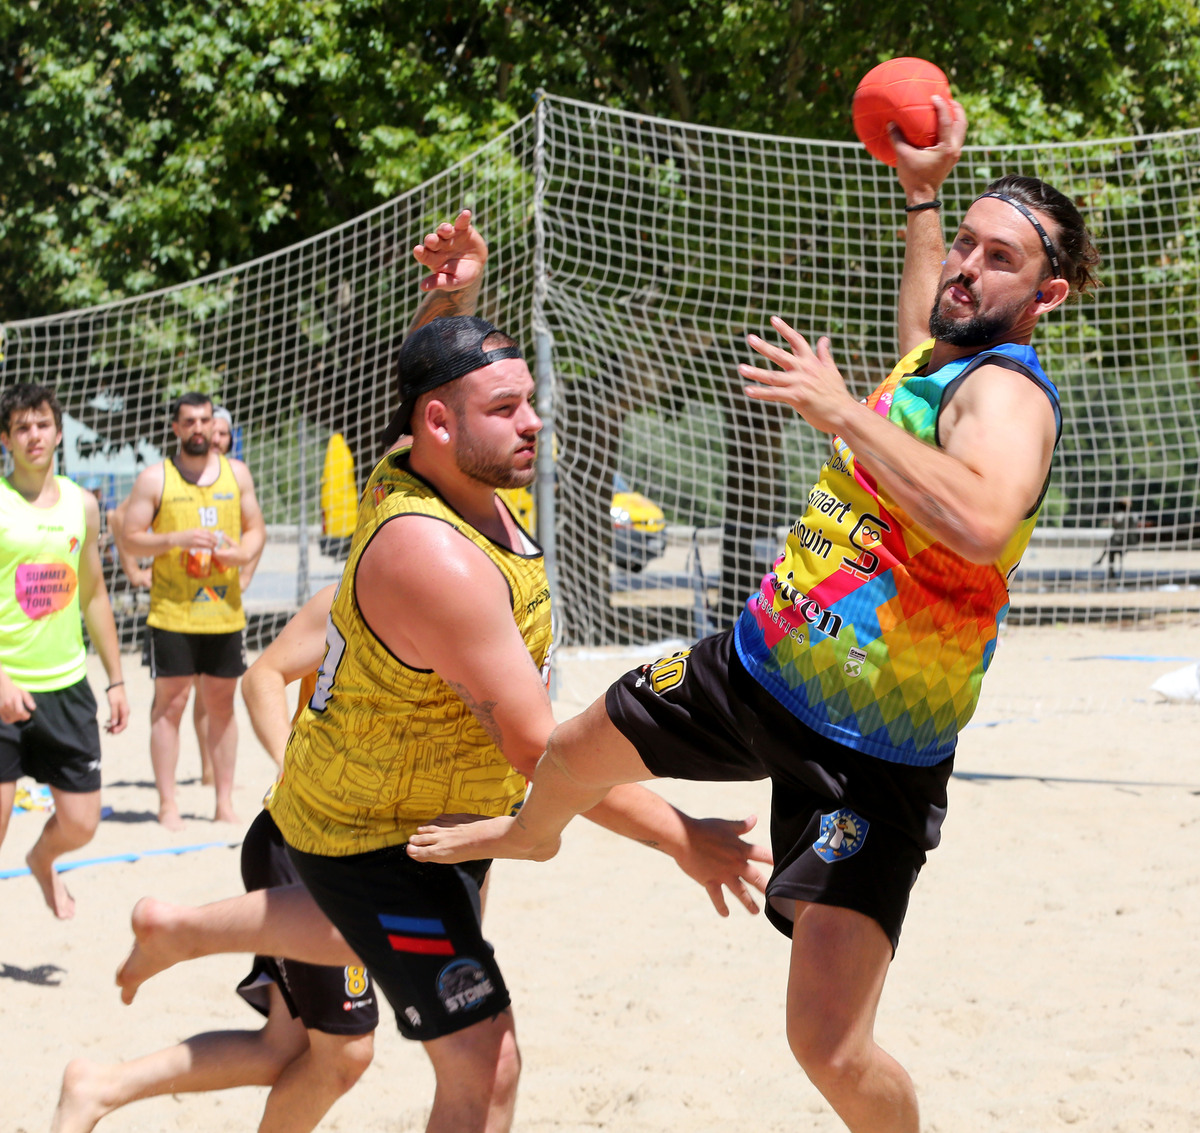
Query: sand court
{"type": "Point", "coordinates": [1046, 978]}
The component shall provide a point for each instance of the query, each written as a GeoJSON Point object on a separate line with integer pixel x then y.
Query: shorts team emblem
{"type": "Point", "coordinates": [842, 835]}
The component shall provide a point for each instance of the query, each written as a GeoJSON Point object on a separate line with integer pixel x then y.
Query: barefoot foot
{"type": "Point", "coordinates": [61, 903]}
{"type": "Point", "coordinates": [82, 1100]}
{"type": "Point", "coordinates": [168, 816]}
{"type": "Point", "coordinates": [226, 814]}
{"type": "Point", "coordinates": [156, 945]}
{"type": "Point", "coordinates": [463, 838]}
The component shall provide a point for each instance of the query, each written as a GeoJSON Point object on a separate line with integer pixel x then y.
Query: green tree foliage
{"type": "Point", "coordinates": [147, 143]}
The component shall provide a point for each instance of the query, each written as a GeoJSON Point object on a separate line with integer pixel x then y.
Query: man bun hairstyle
{"type": "Point", "coordinates": [1077, 251]}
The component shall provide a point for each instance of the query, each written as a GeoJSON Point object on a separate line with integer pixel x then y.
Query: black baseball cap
{"type": "Point", "coordinates": [437, 353]}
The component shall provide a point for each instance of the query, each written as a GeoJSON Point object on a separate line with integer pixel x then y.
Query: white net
{"type": "Point", "coordinates": [645, 250]}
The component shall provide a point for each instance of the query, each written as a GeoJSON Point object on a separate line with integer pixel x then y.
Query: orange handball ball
{"type": "Point", "coordinates": [901, 91]}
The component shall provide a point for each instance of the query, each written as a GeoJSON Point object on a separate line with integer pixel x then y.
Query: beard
{"type": "Point", "coordinates": [197, 445]}
{"type": "Point", "coordinates": [979, 329]}
{"type": "Point", "coordinates": [492, 469]}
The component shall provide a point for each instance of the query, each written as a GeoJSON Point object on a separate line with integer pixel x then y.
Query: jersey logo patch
{"type": "Point", "coordinates": [211, 594]}
{"type": "Point", "coordinates": [842, 835]}
{"type": "Point", "coordinates": [44, 588]}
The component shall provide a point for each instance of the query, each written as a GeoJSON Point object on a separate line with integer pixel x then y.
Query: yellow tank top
{"type": "Point", "coordinates": [190, 591]}
{"type": "Point", "coordinates": [381, 748]}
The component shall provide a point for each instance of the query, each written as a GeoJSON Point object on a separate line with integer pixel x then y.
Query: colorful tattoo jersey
{"type": "Point", "coordinates": [381, 748]}
{"type": "Point", "coordinates": [869, 630]}
{"type": "Point", "coordinates": [192, 591]}
{"type": "Point", "coordinates": [41, 637]}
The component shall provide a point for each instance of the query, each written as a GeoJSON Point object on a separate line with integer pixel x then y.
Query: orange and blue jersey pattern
{"type": "Point", "coordinates": [868, 629]}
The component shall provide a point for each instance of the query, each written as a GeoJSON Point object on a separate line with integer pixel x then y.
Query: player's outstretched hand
{"type": "Point", "coordinates": [807, 380]}
{"type": "Point", "coordinates": [922, 169]}
{"type": "Point", "coordinates": [454, 255]}
{"type": "Point", "coordinates": [719, 858]}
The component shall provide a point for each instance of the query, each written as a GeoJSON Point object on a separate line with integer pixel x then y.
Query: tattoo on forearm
{"type": "Point", "coordinates": [483, 711]}
{"type": "Point", "coordinates": [442, 304]}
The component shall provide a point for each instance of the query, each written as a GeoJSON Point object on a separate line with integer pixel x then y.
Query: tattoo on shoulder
{"type": "Point", "coordinates": [483, 711]}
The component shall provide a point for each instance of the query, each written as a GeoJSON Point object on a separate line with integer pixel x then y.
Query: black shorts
{"type": "Point", "coordinates": [58, 745]}
{"type": "Point", "coordinates": [171, 654]}
{"type": "Point", "coordinates": [336, 1001]}
{"type": "Point", "coordinates": [416, 926]}
{"type": "Point", "coordinates": [847, 829]}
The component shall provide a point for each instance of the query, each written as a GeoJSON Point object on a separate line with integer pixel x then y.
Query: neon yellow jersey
{"type": "Point", "coordinates": [41, 638]}
{"type": "Point", "coordinates": [190, 591]}
{"type": "Point", "coordinates": [381, 748]}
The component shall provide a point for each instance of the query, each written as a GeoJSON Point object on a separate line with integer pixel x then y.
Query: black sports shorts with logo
{"type": "Point", "coordinates": [847, 829]}
{"type": "Point", "coordinates": [336, 1001]}
{"type": "Point", "coordinates": [416, 927]}
{"type": "Point", "coordinates": [58, 745]}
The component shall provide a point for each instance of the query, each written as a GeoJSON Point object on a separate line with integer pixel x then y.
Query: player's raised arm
{"type": "Point", "coordinates": [454, 255]}
{"type": "Point", "coordinates": [922, 171]}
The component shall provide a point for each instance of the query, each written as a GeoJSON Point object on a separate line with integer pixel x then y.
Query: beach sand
{"type": "Point", "coordinates": [1046, 979]}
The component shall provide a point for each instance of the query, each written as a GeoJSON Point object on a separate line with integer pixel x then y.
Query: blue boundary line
{"type": "Point", "coordinates": [132, 856]}
{"type": "Point", "coordinates": [1135, 657]}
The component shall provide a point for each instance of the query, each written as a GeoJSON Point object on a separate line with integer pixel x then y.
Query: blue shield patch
{"type": "Point", "coordinates": [842, 835]}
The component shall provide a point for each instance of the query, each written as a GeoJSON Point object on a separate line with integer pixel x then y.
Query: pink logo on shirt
{"type": "Point", "coordinates": [45, 588]}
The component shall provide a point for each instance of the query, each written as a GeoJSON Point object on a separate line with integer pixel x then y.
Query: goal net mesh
{"type": "Point", "coordinates": [643, 251]}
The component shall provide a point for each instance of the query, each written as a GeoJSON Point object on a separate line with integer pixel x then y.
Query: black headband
{"type": "Point", "coordinates": [1047, 243]}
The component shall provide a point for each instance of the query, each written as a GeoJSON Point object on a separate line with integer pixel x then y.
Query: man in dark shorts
{"type": "Point", "coordinates": [196, 515]}
{"type": "Point", "coordinates": [431, 695]}
{"type": "Point", "coordinates": [850, 674]}
{"type": "Point", "coordinates": [50, 572]}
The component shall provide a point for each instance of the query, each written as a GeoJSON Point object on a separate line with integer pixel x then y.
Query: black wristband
{"type": "Point", "coordinates": [934, 204]}
{"type": "Point", "coordinates": [115, 684]}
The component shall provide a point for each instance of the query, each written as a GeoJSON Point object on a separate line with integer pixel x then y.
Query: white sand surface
{"type": "Point", "coordinates": [1046, 980]}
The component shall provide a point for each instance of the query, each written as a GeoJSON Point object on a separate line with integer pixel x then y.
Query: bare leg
{"type": "Point", "coordinates": [72, 825]}
{"type": "Point", "coordinates": [200, 721]}
{"type": "Point", "coordinates": [219, 1060]}
{"type": "Point", "coordinates": [585, 757]}
{"type": "Point", "coordinates": [313, 1081]}
{"type": "Point", "coordinates": [170, 699]}
{"type": "Point", "coordinates": [840, 959]}
{"type": "Point", "coordinates": [8, 794]}
{"type": "Point", "coordinates": [272, 922]}
{"type": "Point", "coordinates": [217, 694]}
{"type": "Point", "coordinates": [477, 1071]}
